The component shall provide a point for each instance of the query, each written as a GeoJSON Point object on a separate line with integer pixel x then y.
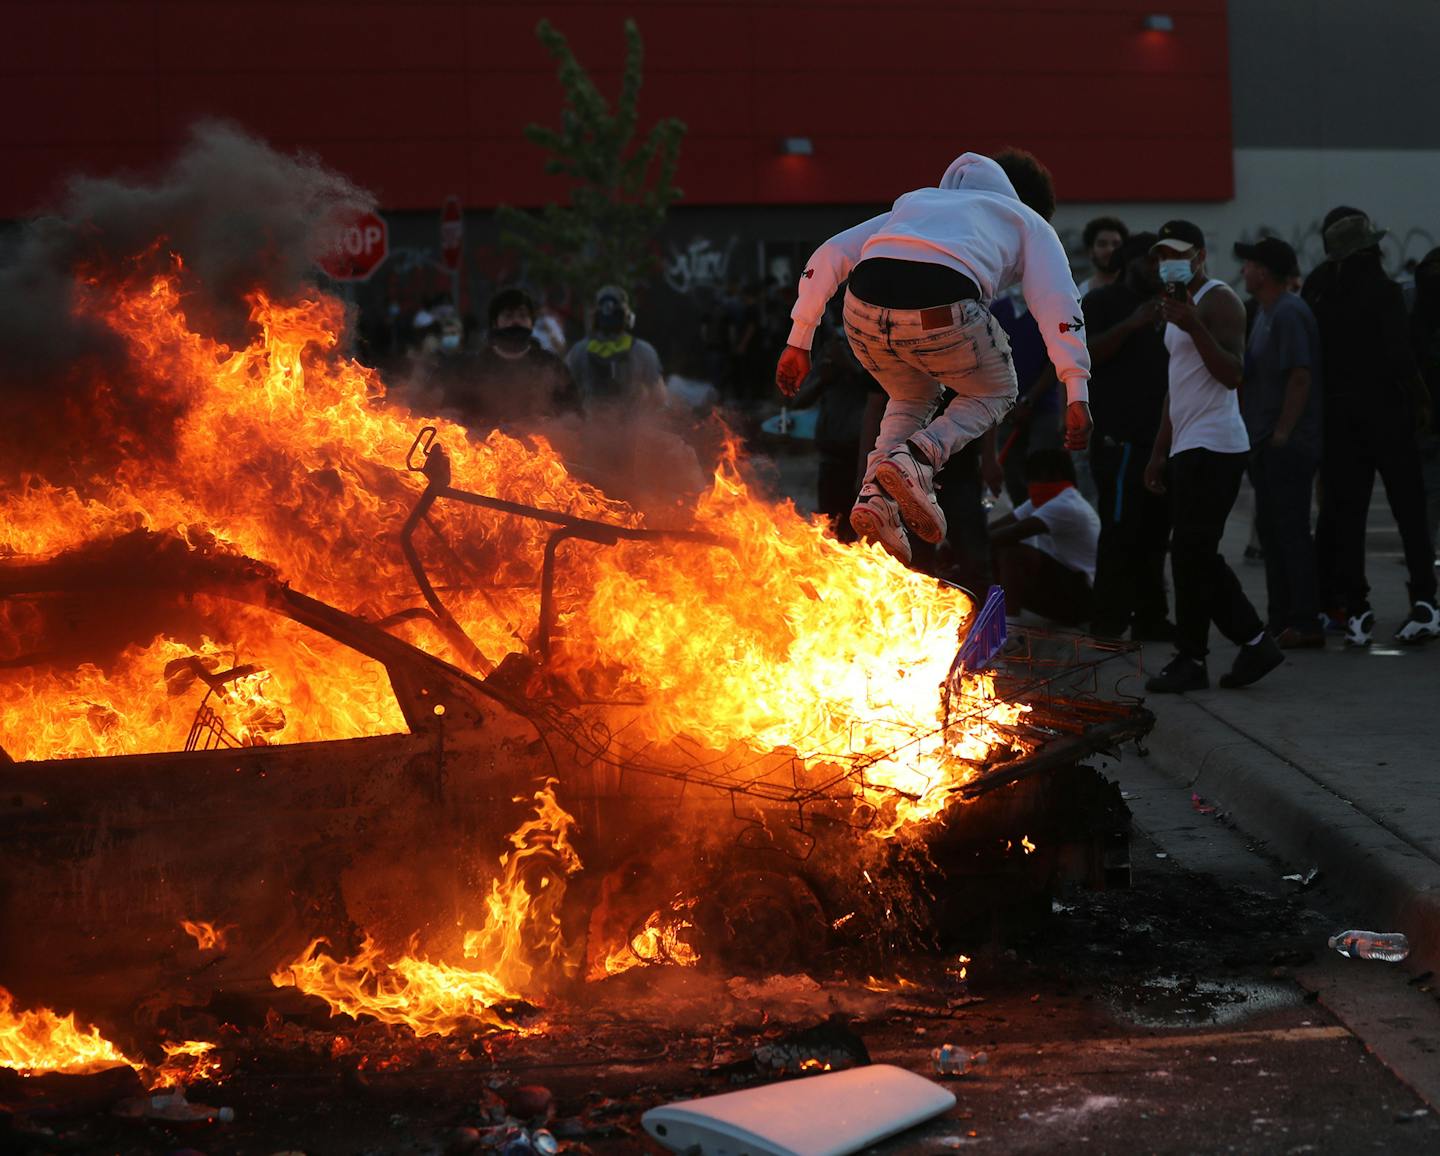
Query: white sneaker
{"type": "Point", "coordinates": [875, 518]}
{"type": "Point", "coordinates": [1422, 625]}
{"type": "Point", "coordinates": [909, 479]}
{"type": "Point", "coordinates": [1359, 628]}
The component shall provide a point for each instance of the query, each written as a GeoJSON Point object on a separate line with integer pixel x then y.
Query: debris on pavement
{"type": "Point", "coordinates": [172, 1107]}
{"type": "Point", "coordinates": [953, 1060]}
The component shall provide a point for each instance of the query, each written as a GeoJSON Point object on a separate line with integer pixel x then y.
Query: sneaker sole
{"type": "Point", "coordinates": [1417, 639]}
{"type": "Point", "coordinates": [921, 514]}
{"type": "Point", "coordinates": [868, 526]}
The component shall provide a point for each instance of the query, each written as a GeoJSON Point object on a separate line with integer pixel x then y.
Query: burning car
{"type": "Point", "coordinates": [425, 727]}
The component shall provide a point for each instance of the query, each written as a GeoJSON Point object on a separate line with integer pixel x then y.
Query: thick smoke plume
{"type": "Point", "coordinates": [238, 215]}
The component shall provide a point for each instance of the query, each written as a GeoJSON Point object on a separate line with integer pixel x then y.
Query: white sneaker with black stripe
{"type": "Point", "coordinates": [1422, 625]}
{"type": "Point", "coordinates": [1359, 629]}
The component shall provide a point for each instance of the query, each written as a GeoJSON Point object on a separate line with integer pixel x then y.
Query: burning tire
{"type": "Point", "coordinates": [761, 922]}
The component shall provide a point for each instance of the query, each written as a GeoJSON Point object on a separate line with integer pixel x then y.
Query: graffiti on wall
{"type": "Point", "coordinates": [700, 265]}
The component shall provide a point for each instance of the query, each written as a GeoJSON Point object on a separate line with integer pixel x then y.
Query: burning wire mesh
{"type": "Point", "coordinates": [1059, 686]}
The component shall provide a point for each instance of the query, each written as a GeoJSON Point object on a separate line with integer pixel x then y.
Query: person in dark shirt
{"type": "Point", "coordinates": [512, 378]}
{"type": "Point", "coordinates": [1280, 402]}
{"type": "Point", "coordinates": [610, 366]}
{"type": "Point", "coordinates": [1374, 405]}
{"type": "Point", "coordinates": [1129, 378]}
{"type": "Point", "coordinates": [1425, 340]}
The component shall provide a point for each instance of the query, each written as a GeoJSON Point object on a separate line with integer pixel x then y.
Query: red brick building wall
{"type": "Point", "coordinates": [418, 100]}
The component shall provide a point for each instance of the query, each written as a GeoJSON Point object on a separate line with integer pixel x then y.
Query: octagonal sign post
{"type": "Point", "coordinates": [358, 245]}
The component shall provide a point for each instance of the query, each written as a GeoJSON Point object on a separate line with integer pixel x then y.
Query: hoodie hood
{"type": "Point", "coordinates": [977, 174]}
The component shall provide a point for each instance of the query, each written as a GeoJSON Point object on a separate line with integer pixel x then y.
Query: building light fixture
{"type": "Point", "coordinates": [797, 146]}
{"type": "Point", "coordinates": [1159, 22]}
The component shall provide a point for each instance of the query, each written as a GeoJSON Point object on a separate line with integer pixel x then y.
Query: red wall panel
{"type": "Point", "coordinates": [418, 100]}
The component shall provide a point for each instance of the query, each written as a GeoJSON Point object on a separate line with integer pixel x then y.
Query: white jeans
{"type": "Point", "coordinates": [914, 364]}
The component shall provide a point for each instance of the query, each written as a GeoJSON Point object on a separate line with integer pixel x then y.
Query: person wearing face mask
{"type": "Point", "coordinates": [610, 364]}
{"type": "Point", "coordinates": [921, 279]}
{"type": "Point", "coordinates": [511, 378]}
{"type": "Point", "coordinates": [1044, 553]}
{"type": "Point", "coordinates": [1204, 439]}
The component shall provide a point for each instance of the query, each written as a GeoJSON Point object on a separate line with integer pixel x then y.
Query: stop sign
{"type": "Point", "coordinates": [357, 245]}
{"type": "Point", "coordinates": [452, 233]}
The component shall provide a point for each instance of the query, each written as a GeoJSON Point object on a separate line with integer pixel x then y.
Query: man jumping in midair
{"type": "Point", "coordinates": [917, 316]}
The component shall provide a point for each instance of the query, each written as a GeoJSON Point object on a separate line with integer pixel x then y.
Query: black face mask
{"type": "Point", "coordinates": [610, 317]}
{"type": "Point", "coordinates": [511, 338]}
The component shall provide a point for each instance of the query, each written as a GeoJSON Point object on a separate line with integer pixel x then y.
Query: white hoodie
{"type": "Point", "coordinates": [975, 223]}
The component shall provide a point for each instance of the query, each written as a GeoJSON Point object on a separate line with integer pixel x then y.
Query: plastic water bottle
{"type": "Point", "coordinates": [953, 1060]}
{"type": "Point", "coordinates": [1390, 946]}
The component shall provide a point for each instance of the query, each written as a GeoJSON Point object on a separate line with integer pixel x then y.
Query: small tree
{"type": "Point", "coordinates": [607, 232]}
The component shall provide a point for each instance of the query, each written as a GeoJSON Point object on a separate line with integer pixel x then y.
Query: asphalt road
{"type": "Point", "coordinates": [1199, 1011]}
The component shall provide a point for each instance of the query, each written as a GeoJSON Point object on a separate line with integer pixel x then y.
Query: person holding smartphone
{"type": "Point", "coordinates": [1204, 439]}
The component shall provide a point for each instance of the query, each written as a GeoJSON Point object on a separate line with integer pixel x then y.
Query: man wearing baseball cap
{"type": "Point", "coordinates": [1203, 436]}
{"type": "Point", "coordinates": [1281, 407]}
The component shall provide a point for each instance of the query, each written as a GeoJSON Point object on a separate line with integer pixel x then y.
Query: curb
{"type": "Point", "coordinates": [1388, 882]}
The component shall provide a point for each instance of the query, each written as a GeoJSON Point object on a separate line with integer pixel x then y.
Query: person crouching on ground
{"type": "Point", "coordinates": [1203, 436]}
{"type": "Point", "coordinates": [917, 315]}
{"type": "Point", "coordinates": [1044, 553]}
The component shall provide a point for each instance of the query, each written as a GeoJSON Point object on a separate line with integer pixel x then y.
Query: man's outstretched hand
{"type": "Point", "coordinates": [793, 368]}
{"type": "Point", "coordinates": [1077, 425]}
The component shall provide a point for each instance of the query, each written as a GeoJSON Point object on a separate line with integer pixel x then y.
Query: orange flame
{"type": "Point", "coordinates": [207, 936]}
{"type": "Point", "coordinates": [520, 936]}
{"type": "Point", "coordinates": [42, 1041]}
{"type": "Point", "coordinates": [429, 997]}
{"type": "Point", "coordinates": [664, 937]}
{"type": "Point", "coordinates": [187, 1063]}
{"type": "Point", "coordinates": [286, 452]}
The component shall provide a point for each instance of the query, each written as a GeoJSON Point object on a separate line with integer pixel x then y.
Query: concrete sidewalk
{"type": "Point", "coordinates": [1331, 760]}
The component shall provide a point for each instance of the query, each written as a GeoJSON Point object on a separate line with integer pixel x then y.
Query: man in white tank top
{"type": "Point", "coordinates": [1204, 438]}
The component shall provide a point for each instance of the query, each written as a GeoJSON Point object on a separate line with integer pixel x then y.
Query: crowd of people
{"type": "Point", "coordinates": [956, 364]}
{"type": "Point", "coordinates": [953, 371]}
